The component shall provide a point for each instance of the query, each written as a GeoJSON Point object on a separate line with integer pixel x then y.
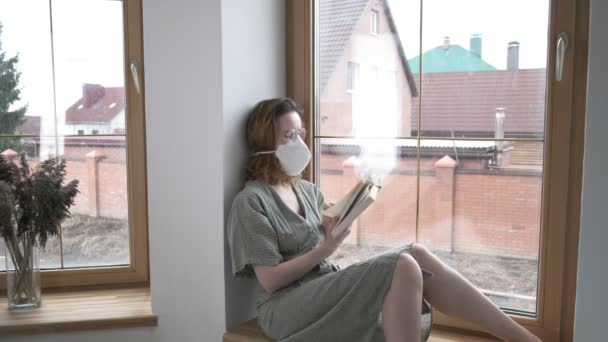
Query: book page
{"type": "Point", "coordinates": [338, 209]}
{"type": "Point", "coordinates": [356, 199]}
{"type": "Point", "coordinates": [352, 198]}
{"type": "Point", "coordinates": [362, 203]}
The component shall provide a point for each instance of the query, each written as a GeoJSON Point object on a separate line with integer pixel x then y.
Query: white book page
{"type": "Point", "coordinates": [338, 209]}
{"type": "Point", "coordinates": [363, 203]}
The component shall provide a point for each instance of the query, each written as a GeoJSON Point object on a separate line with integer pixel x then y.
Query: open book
{"type": "Point", "coordinates": [352, 205]}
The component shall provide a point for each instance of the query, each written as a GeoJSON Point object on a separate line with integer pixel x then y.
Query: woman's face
{"type": "Point", "coordinates": [287, 125]}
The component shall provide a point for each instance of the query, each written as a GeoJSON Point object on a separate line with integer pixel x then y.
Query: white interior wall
{"type": "Point", "coordinates": [253, 55]}
{"type": "Point", "coordinates": [591, 298]}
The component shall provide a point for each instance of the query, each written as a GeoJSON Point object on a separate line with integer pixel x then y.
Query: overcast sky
{"type": "Point", "coordinates": [88, 39]}
{"type": "Point", "coordinates": [498, 21]}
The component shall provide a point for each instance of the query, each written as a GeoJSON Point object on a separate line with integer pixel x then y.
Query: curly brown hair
{"type": "Point", "coordinates": [261, 128]}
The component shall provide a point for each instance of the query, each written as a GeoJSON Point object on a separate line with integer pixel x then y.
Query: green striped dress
{"type": "Point", "coordinates": [326, 304]}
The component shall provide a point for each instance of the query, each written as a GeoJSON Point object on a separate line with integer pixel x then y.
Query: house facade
{"type": "Point", "coordinates": [100, 110]}
{"type": "Point", "coordinates": [365, 82]}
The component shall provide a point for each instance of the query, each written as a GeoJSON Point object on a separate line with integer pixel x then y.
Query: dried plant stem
{"type": "Point", "coordinates": [23, 272]}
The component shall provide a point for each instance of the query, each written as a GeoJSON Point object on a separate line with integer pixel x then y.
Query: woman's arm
{"type": "Point", "coordinates": [273, 278]}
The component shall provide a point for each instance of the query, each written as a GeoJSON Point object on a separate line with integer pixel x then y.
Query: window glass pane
{"type": "Point", "coordinates": [89, 59]}
{"type": "Point", "coordinates": [374, 26]}
{"type": "Point", "coordinates": [474, 72]}
{"type": "Point", "coordinates": [89, 66]}
{"type": "Point", "coordinates": [26, 35]}
{"type": "Point", "coordinates": [98, 232]}
{"type": "Point", "coordinates": [72, 83]}
{"type": "Point", "coordinates": [483, 220]}
{"type": "Point", "coordinates": [50, 256]}
{"type": "Point", "coordinates": [478, 56]}
{"type": "Point", "coordinates": [391, 220]}
{"type": "Point", "coordinates": [353, 76]}
{"type": "Point", "coordinates": [350, 82]}
{"type": "Point", "coordinates": [2, 255]}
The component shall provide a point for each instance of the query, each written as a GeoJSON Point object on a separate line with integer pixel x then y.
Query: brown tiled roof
{"type": "Point", "coordinates": [104, 109]}
{"type": "Point", "coordinates": [30, 126]}
{"type": "Point", "coordinates": [467, 102]}
{"type": "Point", "coordinates": [337, 22]}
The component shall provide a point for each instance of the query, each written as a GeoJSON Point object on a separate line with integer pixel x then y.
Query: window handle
{"type": "Point", "coordinates": [135, 75]}
{"type": "Point", "coordinates": [562, 44]}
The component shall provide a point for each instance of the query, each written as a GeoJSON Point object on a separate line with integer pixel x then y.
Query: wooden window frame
{"type": "Point", "coordinates": [562, 165]}
{"type": "Point", "coordinates": [137, 273]}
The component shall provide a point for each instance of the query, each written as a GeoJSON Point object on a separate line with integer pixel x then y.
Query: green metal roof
{"type": "Point", "coordinates": [453, 59]}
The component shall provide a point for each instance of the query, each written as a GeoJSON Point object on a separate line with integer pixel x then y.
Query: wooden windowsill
{"type": "Point", "coordinates": [251, 332]}
{"type": "Point", "coordinates": [80, 310]}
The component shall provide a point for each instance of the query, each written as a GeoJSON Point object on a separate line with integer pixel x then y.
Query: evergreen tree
{"type": "Point", "coordinates": [10, 118]}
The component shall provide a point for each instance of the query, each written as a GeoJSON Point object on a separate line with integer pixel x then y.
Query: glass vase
{"type": "Point", "coordinates": [22, 273]}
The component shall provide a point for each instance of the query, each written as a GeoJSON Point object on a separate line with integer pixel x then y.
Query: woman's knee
{"type": "Point", "coordinates": [427, 259]}
{"type": "Point", "coordinates": [408, 270]}
{"type": "Point", "coordinates": [420, 251]}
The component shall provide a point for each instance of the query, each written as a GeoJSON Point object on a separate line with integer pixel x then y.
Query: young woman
{"type": "Point", "coordinates": [278, 236]}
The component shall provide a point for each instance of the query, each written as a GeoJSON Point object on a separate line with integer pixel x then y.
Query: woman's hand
{"type": "Point", "coordinates": [331, 243]}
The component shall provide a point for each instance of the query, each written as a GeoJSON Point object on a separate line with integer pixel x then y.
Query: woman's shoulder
{"type": "Point", "coordinates": [253, 190]}
{"type": "Point", "coordinates": [307, 186]}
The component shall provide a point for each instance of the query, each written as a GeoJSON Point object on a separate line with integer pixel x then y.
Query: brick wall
{"type": "Point", "coordinates": [498, 213]}
{"type": "Point", "coordinates": [461, 208]}
{"type": "Point", "coordinates": [464, 210]}
{"type": "Point", "coordinates": [102, 180]}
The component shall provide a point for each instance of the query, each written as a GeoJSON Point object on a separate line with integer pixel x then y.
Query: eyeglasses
{"type": "Point", "coordinates": [290, 134]}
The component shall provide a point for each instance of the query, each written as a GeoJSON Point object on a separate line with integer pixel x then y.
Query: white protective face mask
{"type": "Point", "coordinates": [293, 156]}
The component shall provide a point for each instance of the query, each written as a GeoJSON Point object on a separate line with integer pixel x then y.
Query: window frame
{"type": "Point", "coordinates": [563, 158]}
{"type": "Point", "coordinates": [137, 273]}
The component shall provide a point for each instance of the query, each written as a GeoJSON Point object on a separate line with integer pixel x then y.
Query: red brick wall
{"type": "Point", "coordinates": [115, 153]}
{"type": "Point", "coordinates": [111, 188]}
{"type": "Point", "coordinates": [78, 170]}
{"type": "Point", "coordinates": [465, 211]}
{"type": "Point", "coordinates": [108, 182]}
{"type": "Point", "coordinates": [498, 214]}
{"type": "Point", "coordinates": [113, 195]}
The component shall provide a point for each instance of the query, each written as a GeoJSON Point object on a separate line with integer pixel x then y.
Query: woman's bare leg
{"type": "Point", "coordinates": [454, 295]}
{"type": "Point", "coordinates": [403, 302]}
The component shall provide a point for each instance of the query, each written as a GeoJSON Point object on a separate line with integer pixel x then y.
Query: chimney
{"type": "Point", "coordinates": [499, 133]}
{"type": "Point", "coordinates": [91, 93]}
{"type": "Point", "coordinates": [475, 44]}
{"type": "Point", "coordinates": [446, 42]}
{"type": "Point", "coordinates": [513, 56]}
